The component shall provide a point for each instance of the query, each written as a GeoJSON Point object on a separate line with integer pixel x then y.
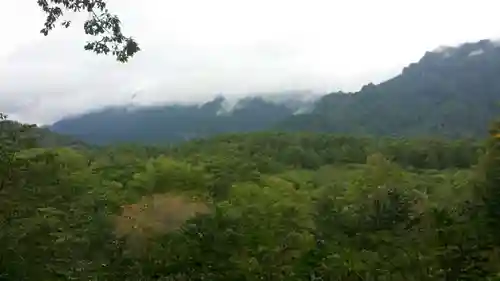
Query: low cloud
{"type": "Point", "coordinates": [195, 50]}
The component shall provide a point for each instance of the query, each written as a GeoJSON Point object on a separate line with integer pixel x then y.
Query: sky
{"type": "Point", "coordinates": [193, 50]}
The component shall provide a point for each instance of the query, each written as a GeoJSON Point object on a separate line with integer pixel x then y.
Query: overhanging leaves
{"type": "Point", "coordinates": [103, 25]}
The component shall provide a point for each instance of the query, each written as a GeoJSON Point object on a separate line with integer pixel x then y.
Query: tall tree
{"type": "Point", "coordinates": [103, 25]}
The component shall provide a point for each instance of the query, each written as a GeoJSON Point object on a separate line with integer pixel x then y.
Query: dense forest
{"type": "Point", "coordinates": [452, 92]}
{"type": "Point", "coordinates": [400, 181]}
{"type": "Point", "coordinates": [254, 206]}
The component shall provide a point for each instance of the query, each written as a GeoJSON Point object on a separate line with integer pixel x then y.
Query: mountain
{"type": "Point", "coordinates": [451, 92]}
{"type": "Point", "coordinates": [176, 122]}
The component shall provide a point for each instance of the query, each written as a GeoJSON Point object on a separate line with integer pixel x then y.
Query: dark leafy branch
{"type": "Point", "coordinates": [103, 25]}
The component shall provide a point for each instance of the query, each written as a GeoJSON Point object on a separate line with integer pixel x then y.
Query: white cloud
{"type": "Point", "coordinates": [476, 53]}
{"type": "Point", "coordinates": [195, 49]}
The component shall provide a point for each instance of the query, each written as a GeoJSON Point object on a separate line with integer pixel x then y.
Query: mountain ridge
{"type": "Point", "coordinates": [178, 122]}
{"type": "Point", "coordinates": [449, 92]}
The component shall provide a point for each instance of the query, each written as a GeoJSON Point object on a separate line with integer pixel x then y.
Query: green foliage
{"type": "Point", "coordinates": [102, 24]}
{"type": "Point", "coordinates": [266, 206]}
{"type": "Point", "coordinates": [163, 175]}
{"type": "Point", "coordinates": [449, 94]}
{"type": "Point", "coordinates": [275, 152]}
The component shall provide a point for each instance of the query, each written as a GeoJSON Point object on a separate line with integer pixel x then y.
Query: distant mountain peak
{"type": "Point", "coordinates": [462, 50]}
{"type": "Point", "coordinates": [450, 91]}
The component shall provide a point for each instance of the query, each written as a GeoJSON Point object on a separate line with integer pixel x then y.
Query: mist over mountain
{"type": "Point", "coordinates": [450, 92]}
{"type": "Point", "coordinates": [177, 122]}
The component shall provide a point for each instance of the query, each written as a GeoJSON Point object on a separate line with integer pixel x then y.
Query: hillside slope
{"type": "Point", "coordinates": [172, 123]}
{"type": "Point", "coordinates": [451, 92]}
{"type": "Point", "coordinates": [16, 132]}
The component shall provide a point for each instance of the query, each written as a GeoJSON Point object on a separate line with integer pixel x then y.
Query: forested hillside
{"type": "Point", "coordinates": [266, 205]}
{"type": "Point", "coordinates": [176, 122]}
{"type": "Point", "coordinates": [36, 136]}
{"type": "Point", "coordinates": [450, 92]}
{"type": "Point", "coordinates": [255, 206]}
{"type": "Point", "coordinates": [397, 182]}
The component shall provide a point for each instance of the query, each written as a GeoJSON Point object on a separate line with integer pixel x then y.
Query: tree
{"type": "Point", "coordinates": [490, 191]}
{"type": "Point", "coordinates": [102, 24]}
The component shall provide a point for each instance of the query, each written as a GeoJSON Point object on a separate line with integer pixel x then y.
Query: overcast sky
{"type": "Point", "coordinates": [195, 49]}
